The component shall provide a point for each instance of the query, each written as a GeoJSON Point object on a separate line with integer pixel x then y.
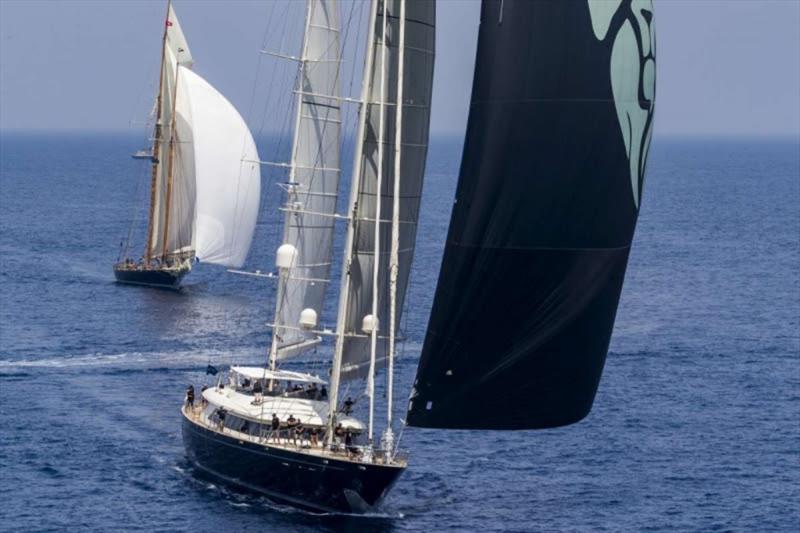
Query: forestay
{"type": "Point", "coordinates": [417, 86]}
{"type": "Point", "coordinates": [313, 183]}
{"type": "Point", "coordinates": [546, 205]}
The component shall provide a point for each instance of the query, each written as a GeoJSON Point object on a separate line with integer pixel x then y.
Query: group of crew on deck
{"type": "Point", "coordinates": [286, 431]}
{"type": "Point", "coordinates": [258, 390]}
{"type": "Point", "coordinates": [155, 262]}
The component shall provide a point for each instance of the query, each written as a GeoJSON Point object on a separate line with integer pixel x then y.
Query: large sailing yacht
{"type": "Point", "coordinates": [205, 177]}
{"type": "Point", "coordinates": [284, 433]}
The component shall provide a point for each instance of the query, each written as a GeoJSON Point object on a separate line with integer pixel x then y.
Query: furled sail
{"type": "Point", "coordinates": [546, 205]}
{"type": "Point", "coordinates": [313, 184]}
{"type": "Point", "coordinates": [173, 203]}
{"type": "Point", "coordinates": [417, 86]}
{"type": "Point", "coordinates": [226, 175]}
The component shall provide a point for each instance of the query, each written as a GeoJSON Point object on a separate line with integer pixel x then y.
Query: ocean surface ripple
{"type": "Point", "coordinates": [696, 425]}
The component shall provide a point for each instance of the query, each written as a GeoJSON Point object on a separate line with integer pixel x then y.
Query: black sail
{"type": "Point", "coordinates": [546, 206]}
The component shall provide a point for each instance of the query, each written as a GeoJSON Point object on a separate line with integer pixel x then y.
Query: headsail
{"type": "Point", "coordinates": [546, 205]}
{"type": "Point", "coordinates": [313, 183]}
{"type": "Point", "coordinates": [418, 83]}
{"type": "Point", "coordinates": [226, 173]}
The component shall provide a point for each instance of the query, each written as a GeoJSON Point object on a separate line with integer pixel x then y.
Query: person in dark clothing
{"type": "Point", "coordinates": [348, 406]}
{"type": "Point", "coordinates": [276, 425]}
{"type": "Point", "coordinates": [257, 391]}
{"type": "Point", "coordinates": [203, 400]}
{"type": "Point", "coordinates": [338, 433]}
{"type": "Point", "coordinates": [348, 443]}
{"type": "Point", "coordinates": [323, 393]}
{"type": "Point", "coordinates": [293, 425]}
{"type": "Point", "coordinates": [190, 396]}
{"type": "Point", "coordinates": [221, 412]}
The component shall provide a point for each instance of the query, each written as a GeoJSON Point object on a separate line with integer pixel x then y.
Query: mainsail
{"type": "Point", "coordinates": [172, 185]}
{"type": "Point", "coordinates": [382, 72]}
{"type": "Point", "coordinates": [546, 206]}
{"type": "Point", "coordinates": [313, 184]}
{"type": "Point", "coordinates": [206, 177]}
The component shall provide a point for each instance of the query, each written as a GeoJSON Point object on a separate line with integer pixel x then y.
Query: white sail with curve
{"type": "Point", "coordinates": [227, 175]}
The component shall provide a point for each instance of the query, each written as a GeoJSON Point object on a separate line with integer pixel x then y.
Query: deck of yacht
{"type": "Point", "coordinates": [280, 440]}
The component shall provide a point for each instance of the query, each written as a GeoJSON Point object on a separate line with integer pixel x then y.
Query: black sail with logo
{"type": "Point", "coordinates": [546, 206]}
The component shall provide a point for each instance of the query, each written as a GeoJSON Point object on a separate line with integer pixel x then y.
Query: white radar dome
{"type": "Point", "coordinates": [369, 324]}
{"type": "Point", "coordinates": [286, 256]}
{"type": "Point", "coordinates": [308, 318]}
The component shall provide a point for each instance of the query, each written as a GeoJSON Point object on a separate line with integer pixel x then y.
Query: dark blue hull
{"type": "Point", "coordinates": [165, 279]}
{"type": "Point", "coordinates": [319, 484]}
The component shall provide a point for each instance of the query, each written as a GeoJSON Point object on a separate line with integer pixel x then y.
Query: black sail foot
{"type": "Point", "coordinates": [309, 481]}
{"type": "Point", "coordinates": [163, 278]}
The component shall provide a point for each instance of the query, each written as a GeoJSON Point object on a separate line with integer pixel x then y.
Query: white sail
{"type": "Point", "coordinates": [418, 81]}
{"type": "Point", "coordinates": [226, 173]}
{"type": "Point", "coordinates": [207, 179]}
{"type": "Point", "coordinates": [176, 40]}
{"type": "Point", "coordinates": [313, 183]}
{"type": "Point", "coordinates": [173, 203]}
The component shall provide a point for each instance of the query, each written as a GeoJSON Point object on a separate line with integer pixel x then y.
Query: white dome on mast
{"type": "Point", "coordinates": [286, 256]}
{"type": "Point", "coordinates": [308, 318]}
{"type": "Point", "coordinates": [369, 324]}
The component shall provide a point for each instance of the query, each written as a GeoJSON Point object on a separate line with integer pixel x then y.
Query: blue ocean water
{"type": "Point", "coordinates": [696, 425]}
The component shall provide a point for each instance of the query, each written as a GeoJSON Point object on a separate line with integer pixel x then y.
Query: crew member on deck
{"type": "Point", "coordinates": [276, 425]}
{"type": "Point", "coordinates": [323, 393]}
{"type": "Point", "coordinates": [257, 390]}
{"type": "Point", "coordinates": [348, 406]}
{"type": "Point", "coordinates": [292, 423]}
{"type": "Point", "coordinates": [190, 396]}
{"type": "Point", "coordinates": [338, 432]}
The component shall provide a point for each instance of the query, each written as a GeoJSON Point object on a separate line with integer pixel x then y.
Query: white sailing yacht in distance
{"type": "Point", "coordinates": [205, 184]}
{"type": "Point", "coordinates": [292, 443]}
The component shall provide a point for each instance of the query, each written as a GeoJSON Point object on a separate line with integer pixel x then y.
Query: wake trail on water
{"type": "Point", "coordinates": [127, 361]}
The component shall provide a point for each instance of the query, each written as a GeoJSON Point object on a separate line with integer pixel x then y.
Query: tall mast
{"type": "Point", "coordinates": [156, 143]}
{"type": "Point", "coordinates": [285, 272]}
{"type": "Point", "coordinates": [170, 161]}
{"type": "Point", "coordinates": [336, 366]}
{"type": "Point", "coordinates": [394, 259]}
{"type": "Point", "coordinates": [377, 235]}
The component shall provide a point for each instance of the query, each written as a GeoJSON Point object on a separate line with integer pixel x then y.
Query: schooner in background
{"type": "Point", "coordinates": [546, 205]}
{"type": "Point", "coordinates": [205, 183]}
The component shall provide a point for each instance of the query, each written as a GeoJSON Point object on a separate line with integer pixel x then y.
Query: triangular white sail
{"type": "Point", "coordinates": [176, 40]}
{"type": "Point", "coordinates": [313, 183]}
{"type": "Point", "coordinates": [226, 174]}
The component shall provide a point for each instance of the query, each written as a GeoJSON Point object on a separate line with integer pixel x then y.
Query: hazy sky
{"type": "Point", "coordinates": [727, 67]}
